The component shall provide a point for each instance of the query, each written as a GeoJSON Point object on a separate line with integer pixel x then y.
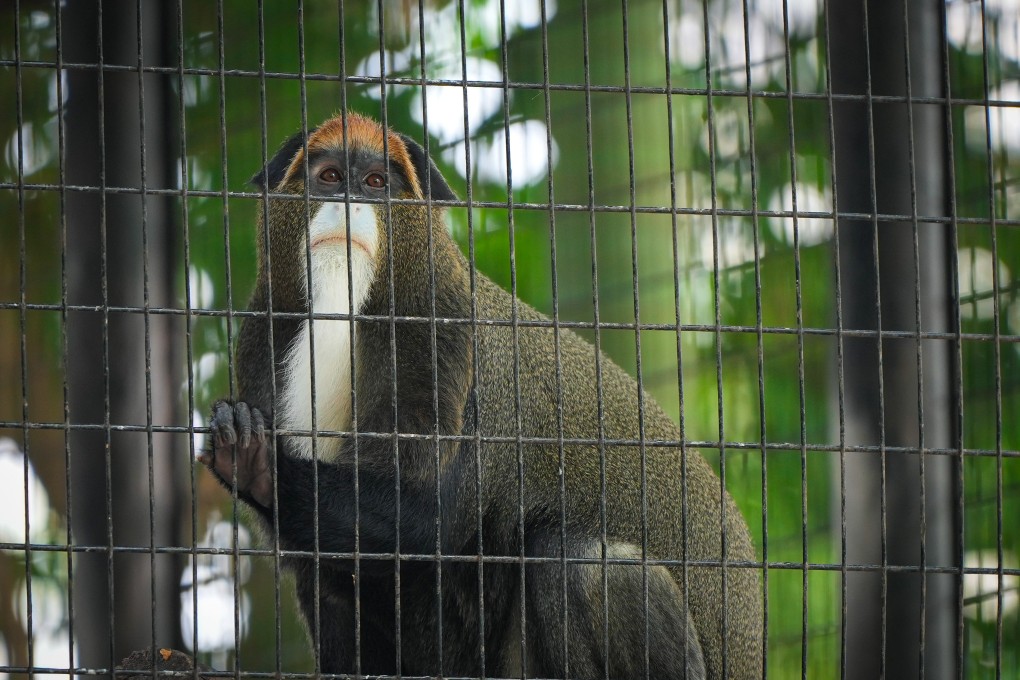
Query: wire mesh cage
{"type": "Point", "coordinates": [724, 273]}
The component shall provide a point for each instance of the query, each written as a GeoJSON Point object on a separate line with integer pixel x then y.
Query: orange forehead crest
{"type": "Point", "coordinates": [362, 132]}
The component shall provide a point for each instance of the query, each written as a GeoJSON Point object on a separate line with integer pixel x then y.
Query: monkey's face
{"type": "Point", "coordinates": [342, 229]}
{"type": "Point", "coordinates": [348, 231]}
{"type": "Point", "coordinates": [343, 179]}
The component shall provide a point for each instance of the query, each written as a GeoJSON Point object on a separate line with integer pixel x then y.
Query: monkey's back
{"type": "Point", "coordinates": [558, 400]}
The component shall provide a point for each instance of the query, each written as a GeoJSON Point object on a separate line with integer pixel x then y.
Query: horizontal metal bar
{"type": "Point", "coordinates": [542, 441]}
{"type": "Point", "coordinates": [517, 559]}
{"type": "Point", "coordinates": [543, 207]}
{"type": "Point", "coordinates": [522, 323]}
{"type": "Point", "coordinates": [500, 85]}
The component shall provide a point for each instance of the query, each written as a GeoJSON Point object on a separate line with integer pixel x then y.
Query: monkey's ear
{"type": "Point", "coordinates": [429, 177]}
{"type": "Point", "coordinates": [273, 173]}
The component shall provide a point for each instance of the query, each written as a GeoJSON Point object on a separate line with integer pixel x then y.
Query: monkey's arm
{"type": "Point", "coordinates": [339, 513]}
{"type": "Point", "coordinates": [239, 434]}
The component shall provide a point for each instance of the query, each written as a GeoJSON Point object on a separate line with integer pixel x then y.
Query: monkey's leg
{"type": "Point", "coordinates": [573, 639]}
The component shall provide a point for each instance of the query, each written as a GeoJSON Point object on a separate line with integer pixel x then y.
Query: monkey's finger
{"type": "Point", "coordinates": [222, 424]}
{"type": "Point", "coordinates": [242, 416]}
{"type": "Point", "coordinates": [258, 425]}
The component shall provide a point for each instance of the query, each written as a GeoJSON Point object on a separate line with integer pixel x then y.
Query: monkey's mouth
{"type": "Point", "coordinates": [340, 241]}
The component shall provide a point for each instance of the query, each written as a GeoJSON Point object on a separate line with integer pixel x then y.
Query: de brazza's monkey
{"type": "Point", "coordinates": [463, 439]}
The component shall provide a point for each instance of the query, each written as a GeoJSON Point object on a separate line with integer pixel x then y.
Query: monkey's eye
{"type": "Point", "coordinates": [375, 180]}
{"type": "Point", "coordinates": [330, 176]}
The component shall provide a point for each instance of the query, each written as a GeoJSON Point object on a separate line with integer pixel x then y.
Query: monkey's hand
{"type": "Point", "coordinates": [239, 434]}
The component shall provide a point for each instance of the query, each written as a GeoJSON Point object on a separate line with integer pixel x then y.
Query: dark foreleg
{"type": "Point", "coordinates": [314, 505]}
{"type": "Point", "coordinates": [242, 456]}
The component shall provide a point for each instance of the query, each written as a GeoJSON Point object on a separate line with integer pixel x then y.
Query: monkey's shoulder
{"type": "Point", "coordinates": [557, 373]}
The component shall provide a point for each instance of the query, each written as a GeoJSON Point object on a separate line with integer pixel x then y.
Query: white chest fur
{"type": "Point", "coordinates": [331, 338]}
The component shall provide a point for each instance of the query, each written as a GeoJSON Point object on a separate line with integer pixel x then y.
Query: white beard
{"type": "Point", "coordinates": [332, 337]}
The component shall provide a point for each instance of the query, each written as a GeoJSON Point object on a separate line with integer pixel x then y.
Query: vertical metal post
{"type": "Point", "coordinates": [895, 277]}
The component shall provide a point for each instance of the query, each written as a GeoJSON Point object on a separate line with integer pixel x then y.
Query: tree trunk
{"type": "Point", "coordinates": [112, 238]}
{"type": "Point", "coordinates": [887, 404]}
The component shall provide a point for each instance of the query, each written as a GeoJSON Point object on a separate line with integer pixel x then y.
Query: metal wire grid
{"type": "Point", "coordinates": [760, 330]}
